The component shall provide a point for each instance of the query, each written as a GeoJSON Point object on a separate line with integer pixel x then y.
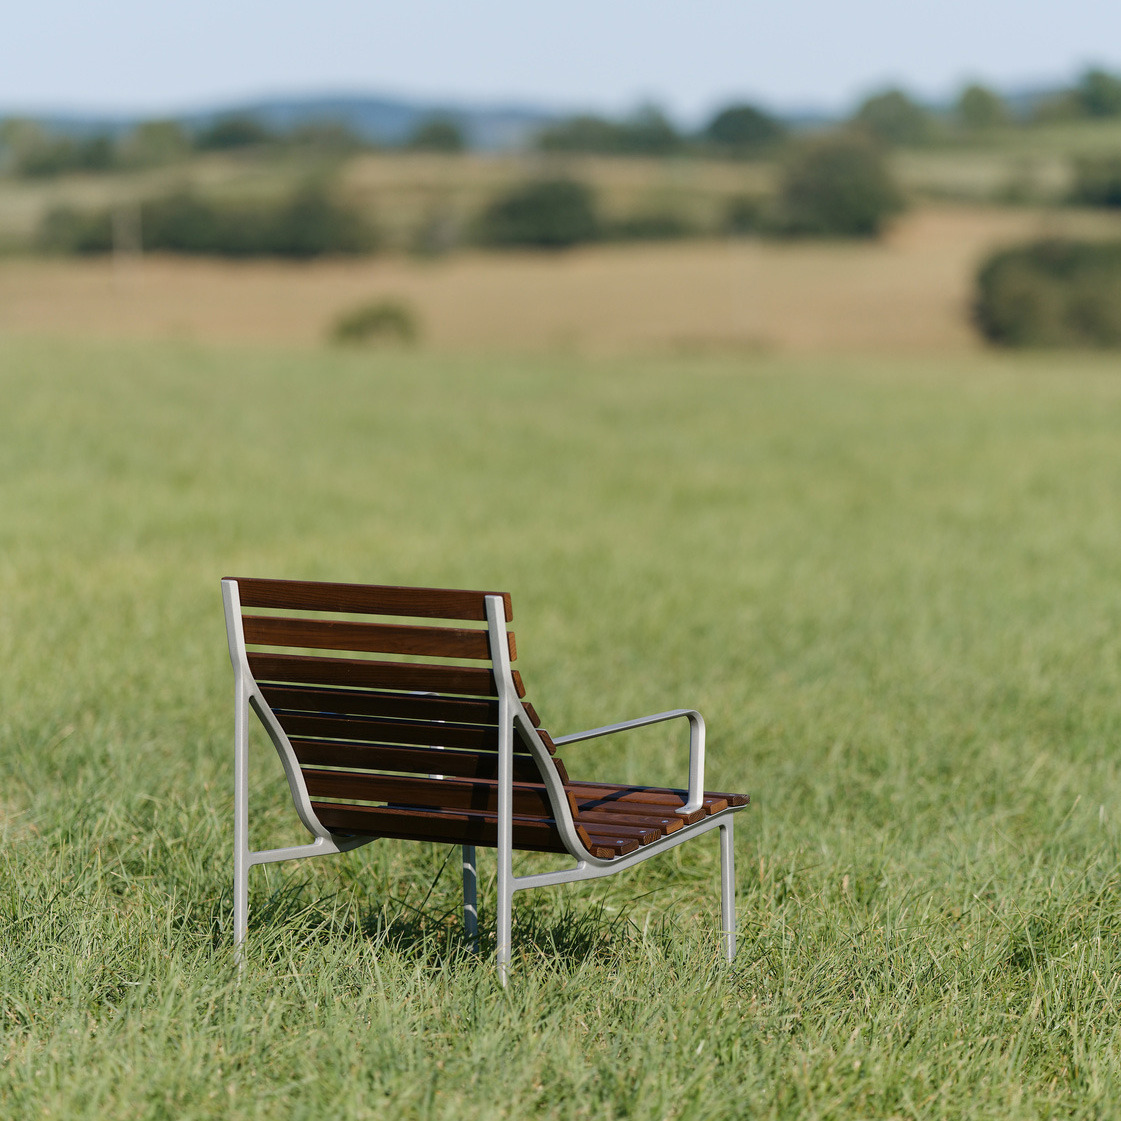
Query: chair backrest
{"type": "Point", "coordinates": [399, 747]}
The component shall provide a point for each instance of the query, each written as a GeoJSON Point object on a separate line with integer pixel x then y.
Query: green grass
{"type": "Point", "coordinates": [892, 588]}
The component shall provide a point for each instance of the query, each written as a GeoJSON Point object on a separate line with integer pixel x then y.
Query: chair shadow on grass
{"type": "Point", "coordinates": [558, 932]}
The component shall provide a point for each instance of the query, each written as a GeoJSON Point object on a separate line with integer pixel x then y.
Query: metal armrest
{"type": "Point", "coordinates": [695, 799]}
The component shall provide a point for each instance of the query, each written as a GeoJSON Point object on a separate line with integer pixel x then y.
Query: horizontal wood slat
{"type": "Point", "coordinates": [531, 800]}
{"type": "Point", "coordinates": [590, 795]}
{"type": "Point", "coordinates": [414, 760]}
{"type": "Point", "coordinates": [650, 819]}
{"type": "Point", "coordinates": [371, 729]}
{"type": "Point", "coordinates": [460, 828]}
{"type": "Point", "coordinates": [370, 674]}
{"type": "Point", "coordinates": [372, 638]}
{"type": "Point", "coordinates": [368, 599]}
{"type": "Point", "coordinates": [404, 706]}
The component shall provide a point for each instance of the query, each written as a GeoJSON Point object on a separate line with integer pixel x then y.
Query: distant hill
{"type": "Point", "coordinates": [384, 120]}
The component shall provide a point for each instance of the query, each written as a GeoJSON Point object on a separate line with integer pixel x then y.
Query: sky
{"type": "Point", "coordinates": [610, 55]}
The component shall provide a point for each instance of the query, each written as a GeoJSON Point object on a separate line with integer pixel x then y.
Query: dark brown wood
{"type": "Point", "coordinates": [368, 673]}
{"type": "Point", "coordinates": [530, 800]}
{"type": "Point", "coordinates": [587, 792]}
{"type": "Point", "coordinates": [402, 706]}
{"type": "Point", "coordinates": [610, 815]}
{"type": "Point", "coordinates": [373, 638]}
{"type": "Point", "coordinates": [411, 760]}
{"type": "Point", "coordinates": [602, 838]}
{"type": "Point", "coordinates": [531, 712]}
{"type": "Point", "coordinates": [372, 729]}
{"type": "Point", "coordinates": [368, 599]}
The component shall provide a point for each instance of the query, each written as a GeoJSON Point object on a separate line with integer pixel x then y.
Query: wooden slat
{"type": "Point", "coordinates": [372, 638]}
{"type": "Point", "coordinates": [538, 835]}
{"type": "Point", "coordinates": [414, 760]}
{"type": "Point", "coordinates": [530, 799]}
{"type": "Point", "coordinates": [626, 815]}
{"type": "Point", "coordinates": [368, 599]}
{"type": "Point", "coordinates": [404, 706]}
{"type": "Point", "coordinates": [460, 828]}
{"type": "Point", "coordinates": [372, 729]}
{"type": "Point", "coordinates": [371, 674]}
{"type": "Point", "coordinates": [585, 792]}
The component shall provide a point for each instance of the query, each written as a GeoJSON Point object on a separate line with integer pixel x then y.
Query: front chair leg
{"type": "Point", "coordinates": [728, 890]}
{"type": "Point", "coordinates": [470, 898]}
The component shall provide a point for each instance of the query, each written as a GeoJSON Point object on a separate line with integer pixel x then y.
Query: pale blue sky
{"type": "Point", "coordinates": [141, 55]}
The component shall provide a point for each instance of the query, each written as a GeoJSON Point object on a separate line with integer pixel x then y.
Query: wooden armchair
{"type": "Point", "coordinates": [444, 751]}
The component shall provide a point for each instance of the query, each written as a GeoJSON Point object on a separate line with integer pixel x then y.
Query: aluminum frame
{"type": "Point", "coordinates": [511, 716]}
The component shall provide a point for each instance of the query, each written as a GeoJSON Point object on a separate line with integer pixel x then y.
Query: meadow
{"type": "Point", "coordinates": [889, 583]}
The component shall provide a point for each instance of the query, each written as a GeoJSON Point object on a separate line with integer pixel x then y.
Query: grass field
{"type": "Point", "coordinates": [891, 586]}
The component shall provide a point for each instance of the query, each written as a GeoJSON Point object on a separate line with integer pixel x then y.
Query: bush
{"type": "Point", "coordinates": [546, 214]}
{"type": "Point", "coordinates": [232, 132]}
{"type": "Point", "coordinates": [838, 186]}
{"type": "Point", "coordinates": [1097, 181]}
{"type": "Point", "coordinates": [979, 108]}
{"type": "Point", "coordinates": [309, 223]}
{"type": "Point", "coordinates": [743, 130]}
{"type": "Point", "coordinates": [1051, 293]}
{"type": "Point", "coordinates": [647, 133]}
{"type": "Point", "coordinates": [894, 118]}
{"type": "Point", "coordinates": [744, 214]}
{"type": "Point", "coordinates": [653, 225]}
{"type": "Point", "coordinates": [382, 321]}
{"type": "Point", "coordinates": [438, 134]}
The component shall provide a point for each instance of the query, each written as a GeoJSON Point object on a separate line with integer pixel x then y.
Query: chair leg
{"type": "Point", "coordinates": [470, 898]}
{"type": "Point", "coordinates": [728, 890]}
{"type": "Point", "coordinates": [241, 820]}
{"type": "Point", "coordinates": [505, 916]}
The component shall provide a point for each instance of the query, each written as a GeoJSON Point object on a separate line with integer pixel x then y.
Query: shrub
{"type": "Point", "coordinates": [1097, 181]}
{"type": "Point", "coordinates": [438, 134]}
{"type": "Point", "coordinates": [232, 132]}
{"type": "Point", "coordinates": [66, 230]}
{"type": "Point", "coordinates": [381, 321]}
{"type": "Point", "coordinates": [309, 223]}
{"type": "Point", "coordinates": [1051, 293]}
{"type": "Point", "coordinates": [652, 225]}
{"type": "Point", "coordinates": [979, 108]}
{"type": "Point", "coordinates": [743, 130]}
{"type": "Point", "coordinates": [837, 186]}
{"type": "Point", "coordinates": [546, 213]}
{"type": "Point", "coordinates": [647, 133]}
{"type": "Point", "coordinates": [743, 214]}
{"type": "Point", "coordinates": [894, 118]}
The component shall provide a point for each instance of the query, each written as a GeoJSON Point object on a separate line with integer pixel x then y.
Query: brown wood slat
{"type": "Point", "coordinates": [370, 729]}
{"type": "Point", "coordinates": [461, 827]}
{"type": "Point", "coordinates": [404, 706]}
{"type": "Point", "coordinates": [368, 599]}
{"type": "Point", "coordinates": [616, 814]}
{"type": "Point", "coordinates": [370, 638]}
{"type": "Point", "coordinates": [585, 792]}
{"type": "Point", "coordinates": [415, 760]}
{"type": "Point", "coordinates": [371, 674]}
{"type": "Point", "coordinates": [621, 827]}
{"type": "Point", "coordinates": [530, 800]}
{"type": "Point", "coordinates": [609, 840]}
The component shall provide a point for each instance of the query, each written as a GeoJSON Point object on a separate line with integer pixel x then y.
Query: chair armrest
{"type": "Point", "coordinates": [695, 799]}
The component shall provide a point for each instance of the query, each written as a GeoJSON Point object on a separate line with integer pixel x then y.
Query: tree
{"type": "Point", "coordinates": [1100, 94]}
{"type": "Point", "coordinates": [647, 133]}
{"type": "Point", "coordinates": [153, 143]}
{"type": "Point", "coordinates": [979, 108]}
{"type": "Point", "coordinates": [546, 213]}
{"type": "Point", "coordinates": [233, 132]}
{"type": "Point", "coordinates": [894, 118]}
{"type": "Point", "coordinates": [437, 134]}
{"type": "Point", "coordinates": [837, 186]}
{"type": "Point", "coordinates": [743, 130]}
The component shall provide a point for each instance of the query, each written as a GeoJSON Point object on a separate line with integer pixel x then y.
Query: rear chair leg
{"type": "Point", "coordinates": [470, 898]}
{"type": "Point", "coordinates": [728, 890]}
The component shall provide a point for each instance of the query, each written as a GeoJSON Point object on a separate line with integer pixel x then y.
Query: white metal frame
{"type": "Point", "coordinates": [511, 715]}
